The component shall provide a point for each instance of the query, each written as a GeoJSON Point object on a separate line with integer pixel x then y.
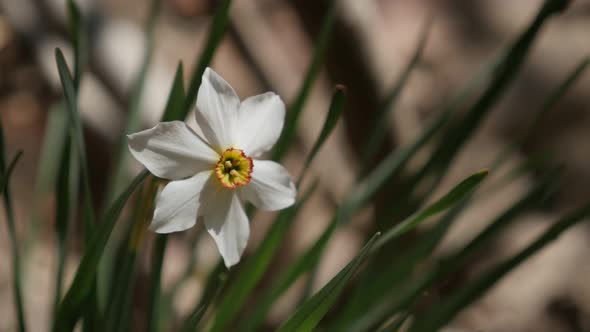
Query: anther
{"type": "Point", "coordinates": [234, 173]}
{"type": "Point", "coordinates": [227, 164]}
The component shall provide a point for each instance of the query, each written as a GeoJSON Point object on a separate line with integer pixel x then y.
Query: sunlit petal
{"type": "Point", "coordinates": [271, 187]}
{"type": "Point", "coordinates": [171, 150]}
{"type": "Point", "coordinates": [217, 110]}
{"type": "Point", "coordinates": [260, 122]}
{"type": "Point", "coordinates": [178, 204]}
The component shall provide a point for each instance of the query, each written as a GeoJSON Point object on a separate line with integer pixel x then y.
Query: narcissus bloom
{"type": "Point", "coordinates": [214, 169]}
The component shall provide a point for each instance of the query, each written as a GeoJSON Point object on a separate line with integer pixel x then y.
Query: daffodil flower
{"type": "Point", "coordinates": [214, 168]}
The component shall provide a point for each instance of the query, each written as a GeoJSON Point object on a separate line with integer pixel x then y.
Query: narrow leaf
{"type": "Point", "coordinates": [454, 196]}
{"type": "Point", "coordinates": [503, 75]}
{"type": "Point", "coordinates": [313, 310]}
{"type": "Point", "coordinates": [293, 271]}
{"type": "Point", "coordinates": [549, 104]}
{"type": "Point", "coordinates": [175, 104]}
{"type": "Point", "coordinates": [156, 282]}
{"type": "Point", "coordinates": [213, 287]}
{"type": "Point", "coordinates": [439, 315]}
{"type": "Point", "coordinates": [16, 258]}
{"type": "Point", "coordinates": [380, 128]}
{"type": "Point", "coordinates": [72, 304]}
{"type": "Point", "coordinates": [288, 134]}
{"type": "Point", "coordinates": [400, 295]}
{"type": "Point", "coordinates": [77, 133]}
{"type": "Point", "coordinates": [8, 172]}
{"type": "Point", "coordinates": [336, 107]}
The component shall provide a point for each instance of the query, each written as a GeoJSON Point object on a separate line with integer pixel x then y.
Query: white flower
{"type": "Point", "coordinates": [214, 172]}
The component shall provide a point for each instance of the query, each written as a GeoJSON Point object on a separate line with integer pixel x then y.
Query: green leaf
{"type": "Point", "coordinates": [549, 104]}
{"type": "Point", "coordinates": [213, 287]}
{"type": "Point", "coordinates": [66, 200]}
{"type": "Point", "coordinates": [16, 258]}
{"type": "Point", "coordinates": [77, 133]}
{"type": "Point", "coordinates": [314, 309]}
{"type": "Point", "coordinates": [119, 176]}
{"type": "Point", "coordinates": [371, 301]}
{"type": "Point", "coordinates": [156, 282]}
{"type": "Point", "coordinates": [336, 107]}
{"type": "Point", "coordinates": [119, 308]}
{"type": "Point", "coordinates": [53, 145]}
{"type": "Point", "coordinates": [288, 134]}
{"type": "Point", "coordinates": [308, 260]}
{"type": "Point", "coordinates": [379, 130]}
{"type": "Point", "coordinates": [73, 302]}
{"type": "Point", "coordinates": [254, 267]}
{"type": "Point", "coordinates": [460, 133]}
{"type": "Point", "coordinates": [440, 314]}
{"type": "Point", "coordinates": [358, 198]}
{"type": "Point", "coordinates": [175, 104]}
{"type": "Point", "coordinates": [78, 38]}
{"type": "Point", "coordinates": [8, 171]}
{"type": "Point", "coordinates": [218, 27]}
{"type": "Point", "coordinates": [400, 295]}
{"type": "Point", "coordinates": [454, 196]}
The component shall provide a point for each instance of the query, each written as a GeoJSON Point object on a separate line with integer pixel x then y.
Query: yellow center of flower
{"type": "Point", "coordinates": [234, 168]}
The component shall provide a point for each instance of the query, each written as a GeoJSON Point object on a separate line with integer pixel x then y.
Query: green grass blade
{"type": "Point", "coordinates": [293, 271]}
{"type": "Point", "coordinates": [313, 310]}
{"type": "Point", "coordinates": [253, 268]}
{"type": "Point", "coordinates": [366, 309]}
{"type": "Point", "coordinates": [66, 196]}
{"type": "Point", "coordinates": [156, 282]}
{"type": "Point", "coordinates": [121, 296]}
{"type": "Point", "coordinates": [213, 287]}
{"type": "Point", "coordinates": [380, 128]}
{"type": "Point", "coordinates": [73, 302]}
{"type": "Point", "coordinates": [549, 104]}
{"type": "Point", "coordinates": [389, 166]}
{"type": "Point", "coordinates": [401, 295]}
{"type": "Point", "coordinates": [455, 195]}
{"type": "Point", "coordinates": [336, 107]}
{"type": "Point", "coordinates": [53, 145]}
{"type": "Point", "coordinates": [79, 41]}
{"type": "Point", "coordinates": [77, 134]}
{"type": "Point", "coordinates": [288, 134]}
{"type": "Point", "coordinates": [16, 258]}
{"type": "Point", "coordinates": [503, 74]}
{"type": "Point", "coordinates": [440, 314]}
{"type": "Point", "coordinates": [218, 27]}
{"type": "Point", "coordinates": [175, 103]}
{"type": "Point", "coordinates": [119, 175]}
{"type": "Point", "coordinates": [393, 164]}
{"type": "Point", "coordinates": [173, 111]}
{"type": "Point", "coordinates": [8, 171]}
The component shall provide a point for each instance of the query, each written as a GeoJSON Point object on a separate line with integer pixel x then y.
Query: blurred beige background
{"type": "Point", "coordinates": [268, 47]}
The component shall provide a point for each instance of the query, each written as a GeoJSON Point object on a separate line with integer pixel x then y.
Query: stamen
{"type": "Point", "coordinates": [234, 168]}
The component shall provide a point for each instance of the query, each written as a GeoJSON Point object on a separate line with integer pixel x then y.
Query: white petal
{"type": "Point", "coordinates": [217, 109]}
{"type": "Point", "coordinates": [171, 150]}
{"type": "Point", "coordinates": [178, 204]}
{"type": "Point", "coordinates": [260, 122]}
{"type": "Point", "coordinates": [271, 187]}
{"type": "Point", "coordinates": [228, 225]}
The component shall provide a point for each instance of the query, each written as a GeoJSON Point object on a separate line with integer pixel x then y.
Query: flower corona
{"type": "Point", "coordinates": [234, 168]}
